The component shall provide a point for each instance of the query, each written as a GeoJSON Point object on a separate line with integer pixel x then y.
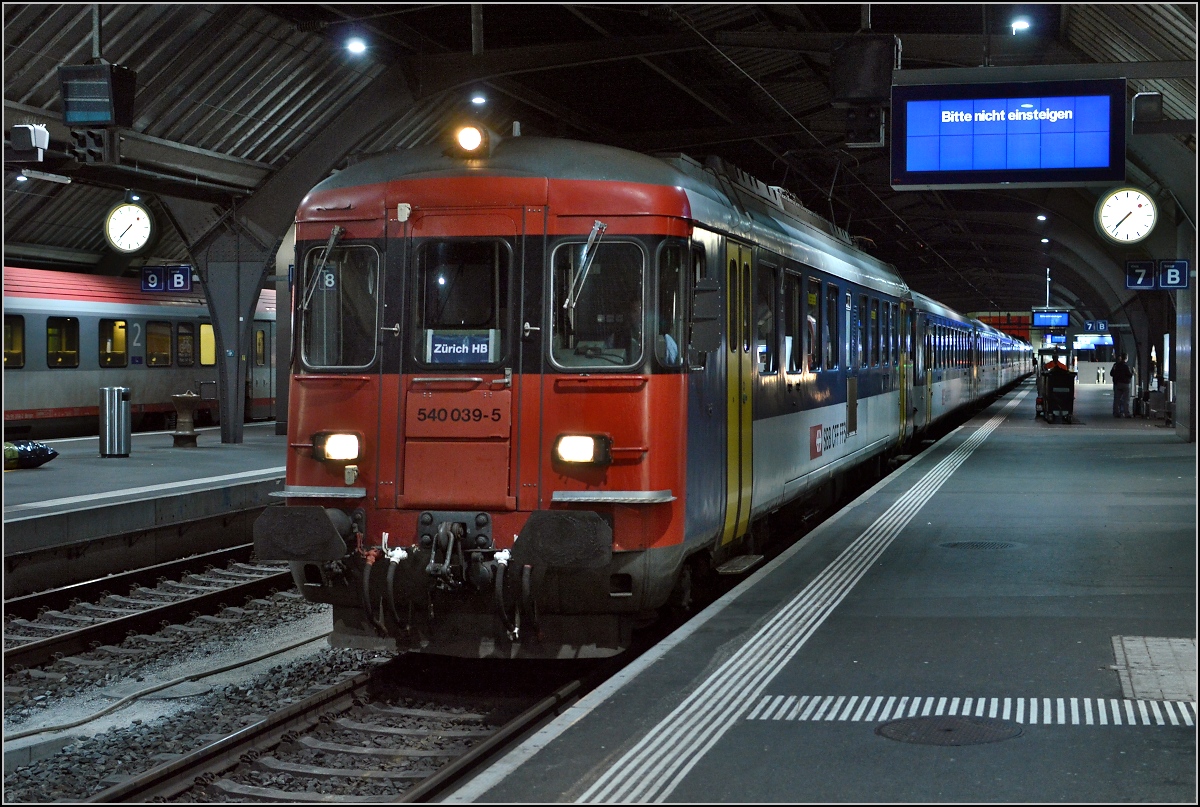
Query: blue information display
{"type": "Point", "coordinates": [1032, 134]}
{"type": "Point", "coordinates": [1139, 275]}
{"type": "Point", "coordinates": [1051, 319]}
{"type": "Point", "coordinates": [1172, 274]}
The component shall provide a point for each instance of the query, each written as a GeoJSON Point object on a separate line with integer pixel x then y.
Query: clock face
{"type": "Point", "coordinates": [1126, 215]}
{"type": "Point", "coordinates": [128, 227]}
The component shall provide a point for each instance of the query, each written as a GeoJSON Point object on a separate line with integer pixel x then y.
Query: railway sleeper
{"type": "Point", "coordinates": [346, 723]}
{"type": "Point", "coordinates": [313, 744]}
{"type": "Point", "coordinates": [25, 623]}
{"type": "Point", "coordinates": [80, 618]}
{"type": "Point", "coordinates": [279, 766]}
{"type": "Point", "coordinates": [400, 711]}
{"type": "Point", "coordinates": [232, 575]}
{"type": "Point", "coordinates": [107, 609]}
{"type": "Point", "coordinates": [223, 787]}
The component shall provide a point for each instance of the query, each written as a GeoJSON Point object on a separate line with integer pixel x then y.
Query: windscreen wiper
{"type": "Point", "coordinates": [334, 234]}
{"type": "Point", "coordinates": [585, 263]}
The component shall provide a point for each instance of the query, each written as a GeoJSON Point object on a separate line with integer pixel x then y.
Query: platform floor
{"type": "Point", "coordinates": [80, 495]}
{"type": "Point", "coordinates": [1031, 576]}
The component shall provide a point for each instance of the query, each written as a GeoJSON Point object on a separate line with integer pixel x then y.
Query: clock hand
{"type": "Point", "coordinates": [1122, 221]}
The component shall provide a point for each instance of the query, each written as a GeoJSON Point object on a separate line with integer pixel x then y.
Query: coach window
{"type": "Point", "coordinates": [260, 348]}
{"type": "Point", "coordinates": [158, 344]}
{"type": "Point", "coordinates": [697, 359]}
{"type": "Point", "coordinates": [793, 350]}
{"type": "Point", "coordinates": [811, 307]}
{"type": "Point", "coordinates": [14, 341]}
{"type": "Point", "coordinates": [208, 345]}
{"type": "Point", "coordinates": [669, 318]}
{"type": "Point", "coordinates": [338, 306]}
{"type": "Point", "coordinates": [893, 334]}
{"type": "Point", "coordinates": [764, 320]}
{"type": "Point", "coordinates": [885, 344]}
{"type": "Point", "coordinates": [113, 349]}
{"type": "Point", "coordinates": [830, 339]}
{"type": "Point", "coordinates": [62, 342]}
{"type": "Point", "coordinates": [185, 344]}
{"type": "Point", "coordinates": [597, 314]}
{"type": "Point", "coordinates": [863, 332]}
{"type": "Point", "coordinates": [874, 332]}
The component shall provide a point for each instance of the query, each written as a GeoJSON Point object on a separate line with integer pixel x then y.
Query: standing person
{"type": "Point", "coordinates": [1121, 376]}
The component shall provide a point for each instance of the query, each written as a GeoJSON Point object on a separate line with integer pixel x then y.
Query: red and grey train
{"type": "Point", "coordinates": [537, 383]}
{"type": "Point", "coordinates": [68, 334]}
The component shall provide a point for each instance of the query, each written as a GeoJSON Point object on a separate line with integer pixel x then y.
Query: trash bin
{"type": "Point", "coordinates": [116, 421]}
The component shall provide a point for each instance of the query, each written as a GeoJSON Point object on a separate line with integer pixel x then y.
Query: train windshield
{"type": "Point", "coordinates": [604, 327]}
{"type": "Point", "coordinates": [462, 301]}
{"type": "Point", "coordinates": [339, 322]}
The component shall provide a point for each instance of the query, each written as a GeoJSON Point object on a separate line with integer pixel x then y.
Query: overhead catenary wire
{"type": "Point", "coordinates": [675, 13]}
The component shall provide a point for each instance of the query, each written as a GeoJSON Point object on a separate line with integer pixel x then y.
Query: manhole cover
{"type": "Point", "coordinates": [949, 730]}
{"type": "Point", "coordinates": [979, 545]}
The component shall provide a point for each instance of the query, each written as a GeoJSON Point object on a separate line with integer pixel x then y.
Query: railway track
{"type": "Point", "coordinates": [41, 627]}
{"type": "Point", "coordinates": [342, 744]}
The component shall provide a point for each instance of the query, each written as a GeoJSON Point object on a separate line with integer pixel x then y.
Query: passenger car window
{"type": "Point", "coordinates": [185, 344]}
{"type": "Point", "coordinates": [114, 352]}
{"type": "Point", "coordinates": [668, 327]}
{"type": "Point", "coordinates": [14, 341]}
{"type": "Point", "coordinates": [764, 320]}
{"type": "Point", "coordinates": [830, 337]}
{"type": "Point", "coordinates": [158, 344]}
{"type": "Point", "coordinates": [62, 342]}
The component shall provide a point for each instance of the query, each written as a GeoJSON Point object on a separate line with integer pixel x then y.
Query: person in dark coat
{"type": "Point", "coordinates": [1121, 376]}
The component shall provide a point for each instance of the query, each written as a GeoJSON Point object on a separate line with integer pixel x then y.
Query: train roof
{"type": "Point", "coordinates": [720, 196]}
{"type": "Point", "coordinates": [67, 287]}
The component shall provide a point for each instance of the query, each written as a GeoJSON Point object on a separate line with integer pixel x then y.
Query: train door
{"type": "Point", "coordinates": [260, 379]}
{"type": "Point", "coordinates": [473, 387]}
{"type": "Point", "coordinates": [904, 370]}
{"type": "Point", "coordinates": [738, 375]}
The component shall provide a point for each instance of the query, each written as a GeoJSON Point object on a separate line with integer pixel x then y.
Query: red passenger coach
{"type": "Point", "coordinates": [538, 383]}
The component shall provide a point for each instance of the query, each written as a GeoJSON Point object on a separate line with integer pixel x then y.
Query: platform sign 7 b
{"type": "Point", "coordinates": [1139, 275]}
{"type": "Point", "coordinates": [1173, 274]}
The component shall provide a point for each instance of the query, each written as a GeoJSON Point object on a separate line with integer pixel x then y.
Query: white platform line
{"type": "Point", "coordinates": [180, 486]}
{"type": "Point", "coordinates": [1051, 711]}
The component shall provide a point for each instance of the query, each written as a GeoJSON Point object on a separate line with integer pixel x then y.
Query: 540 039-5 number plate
{"type": "Point", "coordinates": [478, 414]}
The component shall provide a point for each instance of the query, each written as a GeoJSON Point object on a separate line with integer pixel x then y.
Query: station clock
{"type": "Point", "coordinates": [129, 227]}
{"type": "Point", "coordinates": [1126, 215]}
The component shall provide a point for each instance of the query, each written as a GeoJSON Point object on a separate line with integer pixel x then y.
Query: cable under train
{"type": "Point", "coordinates": [538, 384]}
{"type": "Point", "coordinates": [68, 334]}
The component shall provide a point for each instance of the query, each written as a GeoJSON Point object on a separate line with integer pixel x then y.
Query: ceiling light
{"type": "Point", "coordinates": [29, 173]}
{"type": "Point", "coordinates": [1045, 240]}
{"type": "Point", "coordinates": [22, 178]}
{"type": "Point", "coordinates": [1020, 25]}
{"type": "Point", "coordinates": [356, 46]}
{"type": "Point", "coordinates": [478, 100]}
{"type": "Point", "coordinates": [1041, 217]}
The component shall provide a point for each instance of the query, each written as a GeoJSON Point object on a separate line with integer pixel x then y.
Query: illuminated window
{"type": "Point", "coordinates": [14, 342]}
{"type": "Point", "coordinates": [260, 348]}
{"type": "Point", "coordinates": [62, 342]}
{"type": "Point", "coordinates": [208, 345]}
{"type": "Point", "coordinates": [158, 344]}
{"type": "Point", "coordinates": [829, 335]}
{"type": "Point", "coordinates": [114, 352]}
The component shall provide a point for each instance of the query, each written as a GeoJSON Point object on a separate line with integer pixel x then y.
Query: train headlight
{"type": "Point", "coordinates": [472, 142]}
{"type": "Point", "coordinates": [336, 446]}
{"type": "Point", "coordinates": [583, 449]}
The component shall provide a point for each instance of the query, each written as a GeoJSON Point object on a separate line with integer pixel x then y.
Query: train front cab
{"type": "Point", "coordinates": [514, 389]}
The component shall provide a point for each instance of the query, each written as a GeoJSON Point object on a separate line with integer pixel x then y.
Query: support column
{"type": "Point", "coordinates": [1183, 365]}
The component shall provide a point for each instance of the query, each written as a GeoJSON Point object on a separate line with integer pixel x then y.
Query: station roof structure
{"type": "Point", "coordinates": [246, 106]}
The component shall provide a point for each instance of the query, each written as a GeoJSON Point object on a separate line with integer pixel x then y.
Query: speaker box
{"type": "Point", "coordinates": [862, 69]}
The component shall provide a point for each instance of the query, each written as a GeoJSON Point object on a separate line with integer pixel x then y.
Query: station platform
{"type": "Point", "coordinates": [159, 495]}
{"type": "Point", "coordinates": [1023, 590]}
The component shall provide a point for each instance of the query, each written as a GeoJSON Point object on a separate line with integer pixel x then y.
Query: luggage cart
{"type": "Point", "coordinates": [1058, 399]}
